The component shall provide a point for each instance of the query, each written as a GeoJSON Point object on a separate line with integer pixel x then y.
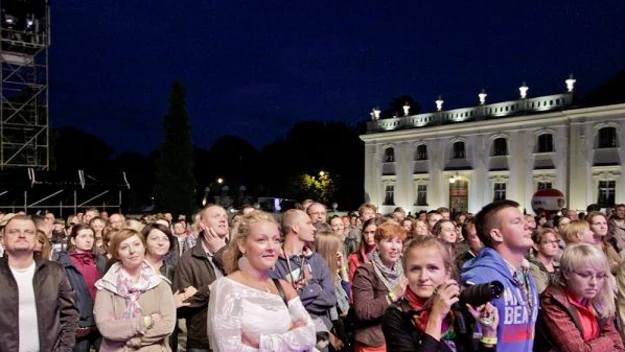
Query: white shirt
{"type": "Point", "coordinates": [27, 320]}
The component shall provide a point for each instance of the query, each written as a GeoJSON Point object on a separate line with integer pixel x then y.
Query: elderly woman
{"type": "Point", "coordinates": [577, 311]}
{"type": "Point", "coordinates": [249, 311]}
{"type": "Point", "coordinates": [543, 266]}
{"type": "Point", "coordinates": [376, 285]}
{"type": "Point", "coordinates": [421, 320]}
{"type": "Point", "coordinates": [134, 307]}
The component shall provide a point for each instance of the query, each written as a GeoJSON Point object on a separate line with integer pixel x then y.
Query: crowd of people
{"type": "Point", "coordinates": [307, 280]}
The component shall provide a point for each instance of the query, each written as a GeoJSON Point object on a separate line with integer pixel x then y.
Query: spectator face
{"type": "Point", "coordinates": [399, 216]}
{"type": "Point", "coordinates": [445, 215]}
{"type": "Point", "coordinates": [98, 226]}
{"type": "Point", "coordinates": [157, 243]}
{"type": "Point", "coordinates": [620, 212]}
{"type": "Point", "coordinates": [474, 242]}
{"type": "Point", "coordinates": [131, 252]}
{"type": "Point", "coordinates": [548, 246]}
{"type": "Point", "coordinates": [117, 222]}
{"type": "Point", "coordinates": [50, 218]}
{"type": "Point", "coordinates": [104, 215]}
{"type": "Point", "coordinates": [599, 226]}
{"type": "Point", "coordinates": [434, 218]}
{"type": "Point", "coordinates": [368, 235]}
{"type": "Point", "coordinates": [531, 221]}
{"type": "Point", "coordinates": [20, 236]}
{"type": "Point", "coordinates": [88, 216]}
{"type": "Point", "coordinates": [420, 228]}
{"type": "Point", "coordinates": [367, 214]}
{"type": "Point", "coordinates": [58, 228]}
{"type": "Point", "coordinates": [305, 229]}
{"type": "Point", "coordinates": [448, 232]}
{"type": "Point", "coordinates": [216, 218]}
{"type": "Point", "coordinates": [83, 242]}
{"type": "Point", "coordinates": [407, 225]}
{"type": "Point", "coordinates": [346, 222]}
{"type": "Point", "coordinates": [585, 282]}
{"type": "Point", "coordinates": [261, 246]}
{"type": "Point", "coordinates": [423, 216]}
{"type": "Point", "coordinates": [515, 232]}
{"type": "Point", "coordinates": [179, 228]}
{"type": "Point", "coordinates": [168, 217]}
{"type": "Point", "coordinates": [317, 213]}
{"type": "Point", "coordinates": [562, 224]}
{"type": "Point", "coordinates": [572, 215]}
{"type": "Point", "coordinates": [390, 250]}
{"type": "Point", "coordinates": [425, 270]}
{"type": "Point", "coordinates": [338, 227]}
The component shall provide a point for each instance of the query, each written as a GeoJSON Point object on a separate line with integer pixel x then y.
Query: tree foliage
{"type": "Point", "coordinates": [174, 189]}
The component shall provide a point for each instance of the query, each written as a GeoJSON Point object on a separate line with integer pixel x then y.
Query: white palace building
{"type": "Point", "coordinates": [465, 158]}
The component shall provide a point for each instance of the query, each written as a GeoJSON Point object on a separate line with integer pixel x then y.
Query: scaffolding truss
{"type": "Point", "coordinates": [24, 93]}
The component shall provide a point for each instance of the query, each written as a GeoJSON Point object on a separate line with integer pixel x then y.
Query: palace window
{"type": "Point", "coordinates": [459, 150]}
{"type": "Point", "coordinates": [607, 191]}
{"type": "Point", "coordinates": [422, 195]}
{"type": "Point", "coordinates": [545, 143]}
{"type": "Point", "coordinates": [389, 155]}
{"type": "Point", "coordinates": [500, 147]}
{"type": "Point", "coordinates": [500, 191]}
{"type": "Point", "coordinates": [422, 152]}
{"type": "Point", "coordinates": [389, 198]}
{"type": "Point", "coordinates": [608, 138]}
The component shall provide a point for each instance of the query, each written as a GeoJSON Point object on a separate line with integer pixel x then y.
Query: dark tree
{"type": "Point", "coordinates": [174, 189]}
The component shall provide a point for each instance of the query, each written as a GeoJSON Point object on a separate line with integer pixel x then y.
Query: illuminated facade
{"type": "Point", "coordinates": [465, 158]}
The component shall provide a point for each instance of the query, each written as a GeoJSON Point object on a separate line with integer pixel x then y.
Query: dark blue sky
{"type": "Point", "coordinates": [252, 69]}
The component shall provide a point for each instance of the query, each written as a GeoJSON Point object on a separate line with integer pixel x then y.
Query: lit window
{"type": "Point", "coordinates": [422, 195]}
{"type": "Point", "coordinates": [459, 150]}
{"type": "Point", "coordinates": [389, 155]}
{"type": "Point", "coordinates": [500, 191]}
{"type": "Point", "coordinates": [500, 147]}
{"type": "Point", "coordinates": [389, 198]}
{"type": "Point", "coordinates": [607, 191]}
{"type": "Point", "coordinates": [608, 138]}
{"type": "Point", "coordinates": [545, 143]}
{"type": "Point", "coordinates": [422, 152]}
{"type": "Point", "coordinates": [544, 185]}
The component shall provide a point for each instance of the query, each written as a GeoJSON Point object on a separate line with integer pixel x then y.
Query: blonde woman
{"type": "Point", "coordinates": [577, 231]}
{"type": "Point", "coordinates": [577, 311]}
{"type": "Point", "coordinates": [599, 227]}
{"type": "Point", "coordinates": [249, 311]}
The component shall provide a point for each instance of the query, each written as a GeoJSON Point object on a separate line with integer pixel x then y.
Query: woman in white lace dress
{"type": "Point", "coordinates": [248, 311]}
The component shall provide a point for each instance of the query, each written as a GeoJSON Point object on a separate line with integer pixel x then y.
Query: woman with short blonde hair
{"type": "Point", "coordinates": [577, 311]}
{"type": "Point", "coordinates": [577, 231]}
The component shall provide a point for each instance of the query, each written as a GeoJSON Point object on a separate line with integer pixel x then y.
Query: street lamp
{"type": "Point", "coordinates": [322, 173]}
{"type": "Point", "coordinates": [220, 180]}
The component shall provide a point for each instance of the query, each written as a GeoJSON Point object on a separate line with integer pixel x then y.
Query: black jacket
{"type": "Point", "coordinates": [194, 269]}
{"type": "Point", "coordinates": [83, 300]}
{"type": "Point", "coordinates": [402, 335]}
{"type": "Point", "coordinates": [57, 315]}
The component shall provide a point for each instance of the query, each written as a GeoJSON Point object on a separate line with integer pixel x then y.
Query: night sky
{"type": "Point", "coordinates": [252, 69]}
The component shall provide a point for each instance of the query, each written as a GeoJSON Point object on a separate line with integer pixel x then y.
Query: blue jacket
{"type": "Point", "coordinates": [83, 300]}
{"type": "Point", "coordinates": [517, 319]}
{"type": "Point", "coordinates": [317, 294]}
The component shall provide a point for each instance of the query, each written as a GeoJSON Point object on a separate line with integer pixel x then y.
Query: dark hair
{"type": "Point", "coordinates": [485, 220]}
{"type": "Point", "coordinates": [469, 221]}
{"type": "Point", "coordinates": [436, 230]}
{"type": "Point", "coordinates": [72, 235]}
{"type": "Point", "coordinates": [160, 227]}
{"type": "Point", "coordinates": [593, 207]}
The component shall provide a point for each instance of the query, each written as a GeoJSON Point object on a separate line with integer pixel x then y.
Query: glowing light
{"type": "Point", "coordinates": [482, 97]}
{"type": "Point", "coordinates": [439, 103]}
{"type": "Point", "coordinates": [220, 180]}
{"type": "Point", "coordinates": [523, 90]}
{"type": "Point", "coordinates": [570, 83]}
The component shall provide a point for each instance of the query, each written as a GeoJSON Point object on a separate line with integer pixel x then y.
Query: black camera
{"type": "Point", "coordinates": [476, 295]}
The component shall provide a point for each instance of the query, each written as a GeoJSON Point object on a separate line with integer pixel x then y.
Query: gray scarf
{"type": "Point", "coordinates": [390, 277]}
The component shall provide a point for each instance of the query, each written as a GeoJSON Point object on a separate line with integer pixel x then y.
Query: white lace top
{"type": "Point", "coordinates": [234, 307]}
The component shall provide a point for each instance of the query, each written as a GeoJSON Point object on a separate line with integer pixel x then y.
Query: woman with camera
{"type": "Point", "coordinates": [423, 319]}
{"type": "Point", "coordinates": [577, 311]}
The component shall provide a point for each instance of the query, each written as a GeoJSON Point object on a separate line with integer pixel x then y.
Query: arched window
{"type": "Point", "coordinates": [422, 152]}
{"type": "Point", "coordinates": [607, 138]}
{"type": "Point", "coordinates": [459, 150]}
{"type": "Point", "coordinates": [389, 155]}
{"type": "Point", "coordinates": [500, 147]}
{"type": "Point", "coordinates": [545, 143]}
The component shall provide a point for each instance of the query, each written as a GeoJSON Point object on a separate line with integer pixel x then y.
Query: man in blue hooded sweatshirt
{"type": "Point", "coordinates": [507, 238]}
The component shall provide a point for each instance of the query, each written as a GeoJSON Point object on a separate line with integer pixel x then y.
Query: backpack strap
{"type": "Point", "coordinates": [281, 291]}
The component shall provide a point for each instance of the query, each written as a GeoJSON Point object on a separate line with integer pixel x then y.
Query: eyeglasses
{"type": "Point", "coordinates": [589, 276]}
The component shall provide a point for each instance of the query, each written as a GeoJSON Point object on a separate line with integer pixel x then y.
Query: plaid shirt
{"type": "Point", "coordinates": [559, 327]}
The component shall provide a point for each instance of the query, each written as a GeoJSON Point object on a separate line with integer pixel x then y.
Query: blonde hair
{"type": "Point", "coordinates": [430, 241]}
{"type": "Point", "coordinates": [327, 244]}
{"type": "Point", "coordinates": [240, 232]}
{"type": "Point", "coordinates": [572, 233]}
{"type": "Point", "coordinates": [578, 254]}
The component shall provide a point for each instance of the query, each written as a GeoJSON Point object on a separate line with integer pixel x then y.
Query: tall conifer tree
{"type": "Point", "coordinates": [174, 189]}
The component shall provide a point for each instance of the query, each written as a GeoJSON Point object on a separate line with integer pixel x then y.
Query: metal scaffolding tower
{"type": "Point", "coordinates": [24, 118]}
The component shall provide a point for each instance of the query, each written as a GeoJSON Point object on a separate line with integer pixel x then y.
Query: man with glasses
{"type": "Point", "coordinates": [317, 213]}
